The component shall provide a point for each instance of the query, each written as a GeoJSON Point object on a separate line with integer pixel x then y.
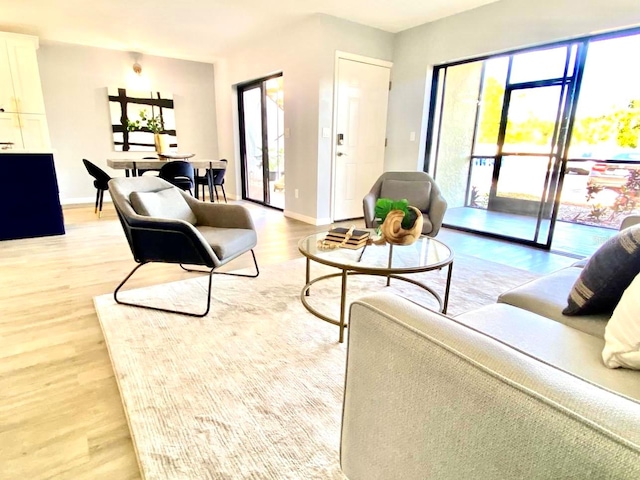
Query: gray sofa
{"type": "Point", "coordinates": [510, 390]}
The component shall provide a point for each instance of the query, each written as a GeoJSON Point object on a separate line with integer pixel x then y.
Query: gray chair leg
{"type": "Point", "coordinates": [149, 307]}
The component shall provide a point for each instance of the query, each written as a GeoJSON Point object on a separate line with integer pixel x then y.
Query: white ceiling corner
{"type": "Point", "coordinates": [202, 30]}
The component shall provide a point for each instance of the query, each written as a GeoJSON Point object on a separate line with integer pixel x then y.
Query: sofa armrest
{"type": "Point", "coordinates": [427, 397]}
{"type": "Point", "coordinates": [629, 221]}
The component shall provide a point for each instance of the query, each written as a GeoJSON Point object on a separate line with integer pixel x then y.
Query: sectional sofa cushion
{"type": "Point", "coordinates": [417, 193]}
{"type": "Point", "coordinates": [550, 342]}
{"type": "Point", "coordinates": [547, 296]}
{"type": "Point", "coordinates": [622, 335]}
{"type": "Point", "coordinates": [606, 275]}
{"type": "Point", "coordinates": [167, 203]}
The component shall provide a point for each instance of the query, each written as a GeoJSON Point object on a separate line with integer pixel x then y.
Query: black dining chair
{"type": "Point", "coordinates": [217, 174]}
{"type": "Point", "coordinates": [180, 174]}
{"type": "Point", "coordinates": [202, 182]}
{"type": "Point", "coordinates": [101, 183]}
{"type": "Point", "coordinates": [218, 180]}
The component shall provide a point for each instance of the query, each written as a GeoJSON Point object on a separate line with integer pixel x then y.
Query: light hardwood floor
{"type": "Point", "coordinates": [60, 410]}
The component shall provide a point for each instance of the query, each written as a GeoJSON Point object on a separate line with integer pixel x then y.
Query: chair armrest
{"type": "Point", "coordinates": [218, 215]}
{"type": "Point", "coordinates": [437, 209]}
{"type": "Point", "coordinates": [369, 207]}
{"type": "Point", "coordinates": [169, 241]}
{"type": "Point", "coordinates": [426, 396]}
{"type": "Point", "coordinates": [629, 221]}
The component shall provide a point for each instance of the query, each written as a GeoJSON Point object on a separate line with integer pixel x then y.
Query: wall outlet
{"type": "Point", "coordinates": [287, 133]}
{"type": "Point", "coordinates": [412, 137]}
{"type": "Point", "coordinates": [296, 192]}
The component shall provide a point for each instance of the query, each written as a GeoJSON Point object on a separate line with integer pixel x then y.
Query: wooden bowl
{"type": "Point", "coordinates": [392, 231]}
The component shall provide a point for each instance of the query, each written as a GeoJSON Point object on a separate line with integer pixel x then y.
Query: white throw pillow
{"type": "Point", "coordinates": [622, 335]}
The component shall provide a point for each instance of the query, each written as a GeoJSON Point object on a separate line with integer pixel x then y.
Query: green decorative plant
{"type": "Point", "coordinates": [385, 205]}
{"type": "Point", "coordinates": [153, 123]}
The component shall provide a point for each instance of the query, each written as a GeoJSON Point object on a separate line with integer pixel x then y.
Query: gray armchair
{"type": "Point", "coordinates": [164, 224]}
{"type": "Point", "coordinates": [419, 188]}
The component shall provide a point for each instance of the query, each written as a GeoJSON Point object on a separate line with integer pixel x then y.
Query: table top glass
{"type": "Point", "coordinates": [425, 254]}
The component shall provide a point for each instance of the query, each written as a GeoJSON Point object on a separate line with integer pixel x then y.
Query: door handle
{"type": "Point", "coordinates": [340, 154]}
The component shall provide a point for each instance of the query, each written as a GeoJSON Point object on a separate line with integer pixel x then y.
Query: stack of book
{"type": "Point", "coordinates": [347, 238]}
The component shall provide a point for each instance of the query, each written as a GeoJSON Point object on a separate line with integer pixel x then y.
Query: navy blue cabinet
{"type": "Point", "coordinates": [29, 199]}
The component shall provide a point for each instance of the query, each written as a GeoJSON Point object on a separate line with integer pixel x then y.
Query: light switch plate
{"type": "Point", "coordinates": [287, 133]}
{"type": "Point", "coordinates": [412, 137]}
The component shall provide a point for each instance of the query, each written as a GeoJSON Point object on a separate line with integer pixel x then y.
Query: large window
{"type": "Point", "coordinates": [541, 146]}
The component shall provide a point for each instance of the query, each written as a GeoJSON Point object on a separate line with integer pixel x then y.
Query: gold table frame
{"type": "Point", "coordinates": [348, 268]}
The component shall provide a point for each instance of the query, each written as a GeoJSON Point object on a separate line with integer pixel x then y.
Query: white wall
{"type": "Point", "coordinates": [497, 27]}
{"type": "Point", "coordinates": [305, 53]}
{"type": "Point", "coordinates": [74, 82]}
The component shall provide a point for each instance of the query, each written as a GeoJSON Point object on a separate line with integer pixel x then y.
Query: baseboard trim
{"type": "Point", "coordinates": [84, 200]}
{"type": "Point", "coordinates": [306, 219]}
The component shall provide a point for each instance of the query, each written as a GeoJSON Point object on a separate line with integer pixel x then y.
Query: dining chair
{"type": "Point", "coordinates": [101, 179]}
{"type": "Point", "coordinates": [218, 180]}
{"type": "Point", "coordinates": [217, 175]}
{"type": "Point", "coordinates": [180, 174]}
{"type": "Point", "coordinates": [202, 182]}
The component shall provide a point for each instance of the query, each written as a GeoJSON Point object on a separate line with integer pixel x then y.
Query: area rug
{"type": "Point", "coordinates": [254, 389]}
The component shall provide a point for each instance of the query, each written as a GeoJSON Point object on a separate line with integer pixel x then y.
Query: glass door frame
{"type": "Point", "coordinates": [241, 88]}
{"type": "Point", "coordinates": [565, 112]}
{"type": "Point", "coordinates": [562, 134]}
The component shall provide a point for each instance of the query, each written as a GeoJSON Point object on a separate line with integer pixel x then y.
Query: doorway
{"type": "Point", "coordinates": [362, 95]}
{"type": "Point", "coordinates": [261, 114]}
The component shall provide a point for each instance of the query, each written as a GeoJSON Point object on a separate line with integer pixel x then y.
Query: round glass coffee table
{"type": "Point", "coordinates": [391, 261]}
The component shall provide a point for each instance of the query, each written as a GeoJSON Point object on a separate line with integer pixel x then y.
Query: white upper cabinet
{"type": "Point", "coordinates": [7, 95]}
{"type": "Point", "coordinates": [23, 63]}
{"type": "Point", "coordinates": [22, 116]}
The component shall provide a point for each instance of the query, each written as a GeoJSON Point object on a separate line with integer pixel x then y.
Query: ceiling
{"type": "Point", "coordinates": [202, 30]}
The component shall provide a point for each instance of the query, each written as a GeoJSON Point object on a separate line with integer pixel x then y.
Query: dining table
{"type": "Point", "coordinates": [132, 166]}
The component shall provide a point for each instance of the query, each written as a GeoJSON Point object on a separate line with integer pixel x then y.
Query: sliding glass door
{"type": "Point", "coordinates": [261, 113]}
{"type": "Point", "coordinates": [538, 145]}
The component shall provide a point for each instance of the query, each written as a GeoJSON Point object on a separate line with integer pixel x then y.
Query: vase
{"type": "Point", "coordinates": [392, 231]}
{"type": "Point", "coordinates": [162, 144]}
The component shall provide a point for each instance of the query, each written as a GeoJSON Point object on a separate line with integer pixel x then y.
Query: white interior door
{"type": "Point", "coordinates": [361, 120]}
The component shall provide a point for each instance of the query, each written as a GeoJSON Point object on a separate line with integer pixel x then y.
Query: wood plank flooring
{"type": "Point", "coordinates": [60, 410]}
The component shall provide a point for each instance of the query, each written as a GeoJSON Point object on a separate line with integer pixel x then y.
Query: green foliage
{"type": "Point", "coordinates": [621, 125]}
{"type": "Point", "coordinates": [628, 199]}
{"type": "Point", "coordinates": [492, 98]}
{"type": "Point", "coordinates": [385, 205]}
{"type": "Point", "coordinates": [628, 125]}
{"type": "Point", "coordinates": [592, 191]}
{"type": "Point", "coordinates": [152, 123]}
{"type": "Point", "coordinates": [596, 213]}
